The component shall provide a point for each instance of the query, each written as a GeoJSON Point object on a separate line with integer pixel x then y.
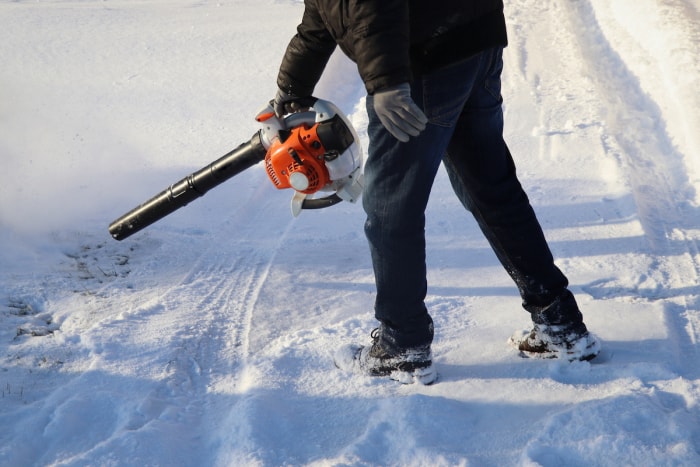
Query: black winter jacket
{"type": "Point", "coordinates": [390, 40]}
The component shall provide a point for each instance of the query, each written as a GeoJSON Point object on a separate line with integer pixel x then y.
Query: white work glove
{"type": "Point", "coordinates": [398, 113]}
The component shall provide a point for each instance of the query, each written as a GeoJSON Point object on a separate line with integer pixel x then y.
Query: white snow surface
{"type": "Point", "coordinates": [206, 339]}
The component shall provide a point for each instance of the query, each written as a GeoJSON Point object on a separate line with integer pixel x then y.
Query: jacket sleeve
{"type": "Point", "coordinates": [306, 56]}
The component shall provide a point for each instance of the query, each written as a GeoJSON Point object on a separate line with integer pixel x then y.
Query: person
{"type": "Point", "coordinates": [432, 75]}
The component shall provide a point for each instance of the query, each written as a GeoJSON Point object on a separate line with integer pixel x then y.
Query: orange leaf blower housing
{"type": "Point", "coordinates": [298, 160]}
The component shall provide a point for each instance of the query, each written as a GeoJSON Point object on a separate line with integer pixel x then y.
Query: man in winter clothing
{"type": "Point", "coordinates": [432, 73]}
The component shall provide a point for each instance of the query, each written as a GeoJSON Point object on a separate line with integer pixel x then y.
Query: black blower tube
{"type": "Point", "coordinates": [189, 188]}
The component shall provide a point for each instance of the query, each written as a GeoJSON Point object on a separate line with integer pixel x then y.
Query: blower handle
{"type": "Point", "coordinates": [320, 203]}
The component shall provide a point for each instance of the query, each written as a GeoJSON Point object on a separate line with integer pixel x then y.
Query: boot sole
{"type": "Point", "coordinates": [591, 351]}
{"type": "Point", "coordinates": [425, 376]}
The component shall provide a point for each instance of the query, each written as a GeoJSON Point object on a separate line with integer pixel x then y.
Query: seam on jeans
{"type": "Point", "coordinates": [494, 69]}
{"type": "Point", "coordinates": [477, 213]}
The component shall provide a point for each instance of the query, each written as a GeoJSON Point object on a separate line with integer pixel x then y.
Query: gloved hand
{"type": "Point", "coordinates": [398, 113]}
{"type": "Point", "coordinates": [285, 103]}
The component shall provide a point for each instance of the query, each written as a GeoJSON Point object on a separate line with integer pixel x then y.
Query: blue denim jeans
{"type": "Point", "coordinates": [465, 131]}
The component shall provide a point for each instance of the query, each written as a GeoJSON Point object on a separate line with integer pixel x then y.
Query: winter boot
{"type": "Point", "coordinates": [382, 359]}
{"type": "Point", "coordinates": [569, 342]}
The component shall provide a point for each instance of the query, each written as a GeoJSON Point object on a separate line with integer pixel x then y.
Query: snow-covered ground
{"type": "Point", "coordinates": [206, 338]}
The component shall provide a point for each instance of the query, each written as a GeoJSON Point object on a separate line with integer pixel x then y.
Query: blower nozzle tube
{"type": "Point", "coordinates": [189, 188]}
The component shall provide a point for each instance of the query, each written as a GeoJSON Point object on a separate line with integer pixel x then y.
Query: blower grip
{"type": "Point", "coordinates": [320, 203]}
{"type": "Point", "coordinates": [189, 188]}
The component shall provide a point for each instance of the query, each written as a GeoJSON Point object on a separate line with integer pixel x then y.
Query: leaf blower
{"type": "Point", "coordinates": [313, 150]}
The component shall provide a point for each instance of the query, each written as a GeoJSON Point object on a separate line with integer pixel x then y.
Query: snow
{"type": "Point", "coordinates": [206, 338]}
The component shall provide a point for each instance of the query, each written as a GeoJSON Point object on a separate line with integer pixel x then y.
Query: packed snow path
{"type": "Point", "coordinates": [206, 339]}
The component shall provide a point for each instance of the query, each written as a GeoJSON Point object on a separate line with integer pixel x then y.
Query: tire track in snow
{"type": "Point", "coordinates": [657, 173]}
{"type": "Point", "coordinates": [186, 334]}
{"type": "Point", "coordinates": [634, 129]}
{"type": "Point", "coordinates": [224, 343]}
{"type": "Point", "coordinates": [215, 306]}
{"type": "Point", "coordinates": [654, 166]}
